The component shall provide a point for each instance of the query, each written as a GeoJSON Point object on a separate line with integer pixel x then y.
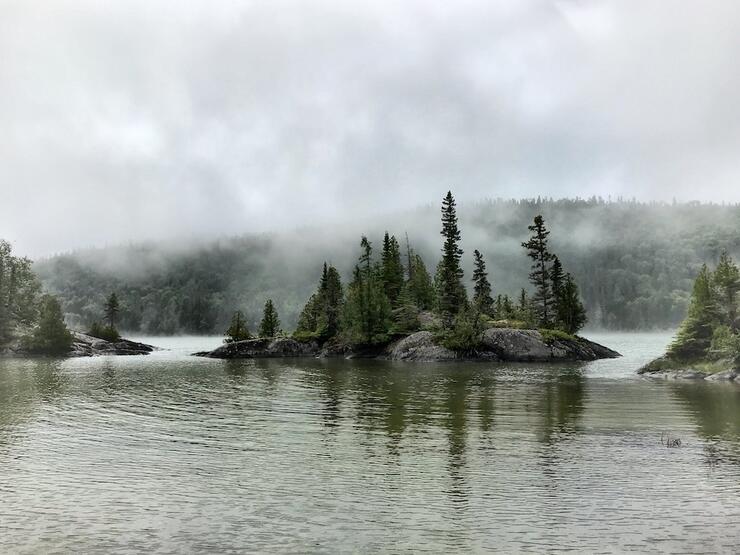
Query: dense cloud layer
{"type": "Point", "coordinates": [146, 119]}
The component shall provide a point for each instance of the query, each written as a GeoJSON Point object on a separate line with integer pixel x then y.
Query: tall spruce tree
{"type": "Point", "coordinates": [270, 324]}
{"type": "Point", "coordinates": [694, 336]}
{"type": "Point", "coordinates": [238, 330]}
{"type": "Point", "coordinates": [450, 290]}
{"type": "Point", "coordinates": [392, 268]}
{"type": "Point", "coordinates": [571, 316]}
{"type": "Point", "coordinates": [112, 309]}
{"type": "Point", "coordinates": [540, 275]}
{"type": "Point", "coordinates": [557, 277]}
{"type": "Point", "coordinates": [366, 316]}
{"type": "Point", "coordinates": [482, 299]}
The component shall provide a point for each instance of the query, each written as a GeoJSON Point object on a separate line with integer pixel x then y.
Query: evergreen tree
{"type": "Point", "coordinates": [540, 274]}
{"type": "Point", "coordinates": [420, 287]}
{"type": "Point", "coordinates": [320, 318]}
{"type": "Point", "coordinates": [51, 336]}
{"type": "Point", "coordinates": [524, 309]}
{"type": "Point", "coordinates": [571, 316]}
{"type": "Point", "coordinates": [238, 330]}
{"type": "Point", "coordinates": [406, 314]}
{"type": "Point", "coordinates": [450, 290]}
{"type": "Point", "coordinates": [482, 289]}
{"type": "Point", "coordinates": [392, 268]}
{"type": "Point", "coordinates": [112, 308]}
{"type": "Point", "coordinates": [557, 278]}
{"type": "Point", "coordinates": [694, 337]}
{"type": "Point", "coordinates": [270, 325]}
{"type": "Point", "coordinates": [727, 280]}
{"type": "Point", "coordinates": [367, 311]}
{"type": "Point", "coordinates": [19, 293]}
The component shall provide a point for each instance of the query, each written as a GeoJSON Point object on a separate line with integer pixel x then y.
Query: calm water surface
{"type": "Point", "coordinates": [169, 453]}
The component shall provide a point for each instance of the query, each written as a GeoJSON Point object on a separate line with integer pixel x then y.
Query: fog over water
{"type": "Point", "coordinates": [172, 120]}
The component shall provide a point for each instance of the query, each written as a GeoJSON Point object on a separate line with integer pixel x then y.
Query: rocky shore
{"type": "Point", "coordinates": [84, 345]}
{"type": "Point", "coordinates": [497, 344]}
{"type": "Point", "coordinates": [665, 368]}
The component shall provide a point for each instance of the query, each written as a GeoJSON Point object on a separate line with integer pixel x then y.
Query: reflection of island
{"type": "Point", "coordinates": [562, 404]}
{"type": "Point", "coordinates": [715, 407]}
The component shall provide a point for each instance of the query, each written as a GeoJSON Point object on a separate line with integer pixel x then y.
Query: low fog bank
{"type": "Point", "coordinates": [633, 261]}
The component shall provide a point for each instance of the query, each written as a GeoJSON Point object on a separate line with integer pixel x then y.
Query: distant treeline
{"type": "Point", "coordinates": [634, 262]}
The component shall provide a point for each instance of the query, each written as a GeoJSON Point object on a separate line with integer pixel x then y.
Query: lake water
{"type": "Point", "coordinates": [170, 453]}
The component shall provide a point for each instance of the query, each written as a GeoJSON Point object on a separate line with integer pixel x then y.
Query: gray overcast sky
{"type": "Point", "coordinates": [150, 119]}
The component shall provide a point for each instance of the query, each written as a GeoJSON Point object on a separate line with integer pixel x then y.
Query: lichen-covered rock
{"type": "Point", "coordinates": [496, 344]}
{"type": "Point", "coordinates": [530, 346]}
{"type": "Point", "coordinates": [421, 347]}
{"type": "Point", "coordinates": [84, 345]}
{"type": "Point", "coordinates": [264, 348]}
{"type": "Point", "coordinates": [730, 375]}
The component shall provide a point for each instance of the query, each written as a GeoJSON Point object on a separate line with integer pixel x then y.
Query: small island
{"type": "Point", "coordinates": [397, 311]}
{"type": "Point", "coordinates": [32, 322]}
{"type": "Point", "coordinates": [707, 345]}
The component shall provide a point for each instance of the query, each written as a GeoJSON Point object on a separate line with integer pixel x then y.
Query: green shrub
{"type": "Point", "coordinates": [107, 333]}
{"type": "Point", "coordinates": [550, 336]}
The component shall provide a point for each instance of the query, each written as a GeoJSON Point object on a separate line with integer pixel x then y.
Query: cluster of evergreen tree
{"type": "Point", "coordinates": [387, 297]}
{"type": "Point", "coordinates": [711, 329]}
{"type": "Point", "coordinates": [556, 301]}
{"type": "Point", "coordinates": [109, 329]}
{"type": "Point", "coordinates": [27, 316]}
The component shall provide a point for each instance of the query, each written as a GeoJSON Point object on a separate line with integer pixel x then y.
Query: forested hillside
{"type": "Point", "coordinates": [635, 263]}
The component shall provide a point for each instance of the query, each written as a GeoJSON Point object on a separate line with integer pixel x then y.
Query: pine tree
{"type": "Point", "coordinates": [482, 289]}
{"type": "Point", "coordinates": [270, 325]}
{"type": "Point", "coordinates": [366, 317]}
{"type": "Point", "coordinates": [420, 284]}
{"type": "Point", "coordinates": [524, 309]}
{"type": "Point", "coordinates": [450, 290]}
{"type": "Point", "coordinates": [571, 316]}
{"type": "Point", "coordinates": [238, 330]}
{"type": "Point", "coordinates": [540, 274]}
{"type": "Point", "coordinates": [557, 278]}
{"type": "Point", "coordinates": [112, 308]}
{"type": "Point", "coordinates": [406, 314]}
{"type": "Point", "coordinates": [19, 293]}
{"type": "Point", "coordinates": [392, 268]}
{"type": "Point", "coordinates": [694, 336]}
{"type": "Point", "coordinates": [727, 280]}
{"type": "Point", "coordinates": [51, 336]}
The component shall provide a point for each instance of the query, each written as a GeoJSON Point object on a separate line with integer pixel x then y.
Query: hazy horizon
{"type": "Point", "coordinates": [163, 120]}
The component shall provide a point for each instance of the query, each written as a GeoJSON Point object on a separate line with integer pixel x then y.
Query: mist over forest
{"type": "Point", "coordinates": [635, 263]}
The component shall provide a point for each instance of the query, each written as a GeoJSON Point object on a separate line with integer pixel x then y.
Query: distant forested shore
{"type": "Point", "coordinates": [634, 262]}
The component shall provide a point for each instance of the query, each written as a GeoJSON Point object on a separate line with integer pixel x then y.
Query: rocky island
{"type": "Point", "coordinates": [496, 344]}
{"type": "Point", "coordinates": [707, 345]}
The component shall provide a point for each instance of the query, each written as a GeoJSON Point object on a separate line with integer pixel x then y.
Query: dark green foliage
{"type": "Point", "coordinates": [451, 295]}
{"type": "Point", "coordinates": [238, 330]}
{"type": "Point", "coordinates": [19, 294]}
{"type": "Point", "coordinates": [419, 284]}
{"type": "Point", "coordinates": [524, 311]}
{"type": "Point", "coordinates": [270, 324]}
{"type": "Point", "coordinates": [108, 333]}
{"type": "Point", "coordinates": [570, 315]}
{"type": "Point", "coordinates": [727, 281]}
{"type": "Point", "coordinates": [406, 314]}
{"type": "Point", "coordinates": [482, 287]}
{"type": "Point", "coordinates": [51, 335]}
{"type": "Point", "coordinates": [465, 334]}
{"type": "Point", "coordinates": [538, 251]}
{"type": "Point", "coordinates": [320, 318]}
{"type": "Point", "coordinates": [392, 269]}
{"type": "Point", "coordinates": [504, 308]}
{"type": "Point", "coordinates": [557, 277]}
{"type": "Point", "coordinates": [366, 318]}
{"type": "Point", "coordinates": [695, 334]}
{"type": "Point", "coordinates": [112, 309]}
